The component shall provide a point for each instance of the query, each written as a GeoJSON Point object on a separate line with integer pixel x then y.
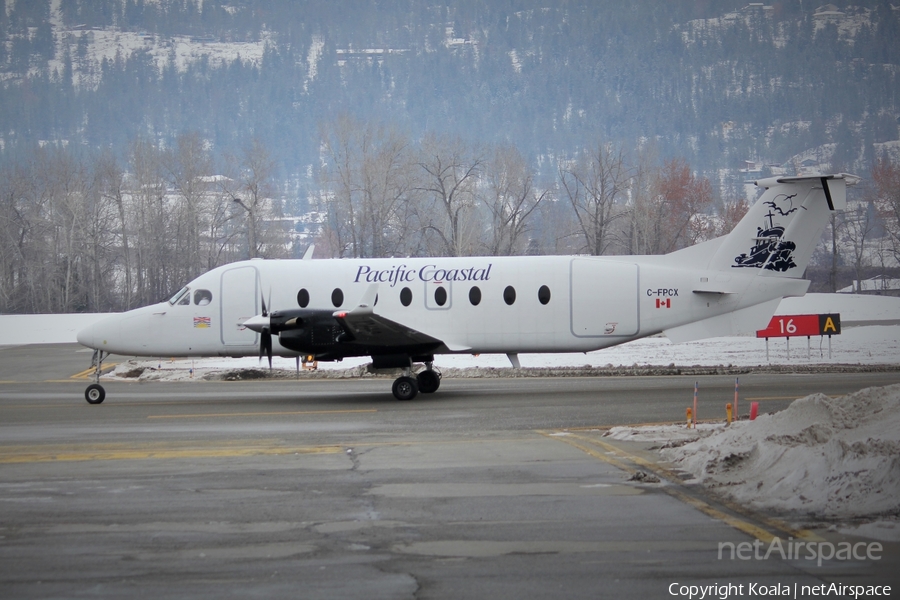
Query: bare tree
{"type": "Point", "coordinates": [595, 185]}
{"type": "Point", "coordinates": [111, 184]}
{"type": "Point", "coordinates": [860, 225]}
{"type": "Point", "coordinates": [367, 181]}
{"type": "Point", "coordinates": [153, 247]}
{"type": "Point", "coordinates": [511, 198]}
{"type": "Point", "coordinates": [685, 199]}
{"type": "Point", "coordinates": [451, 170]}
{"type": "Point", "coordinates": [886, 177]}
{"type": "Point", "coordinates": [189, 166]}
{"type": "Point", "coordinates": [730, 214]}
{"type": "Point", "coordinates": [336, 182]}
{"type": "Point", "coordinates": [15, 232]}
{"type": "Point", "coordinates": [250, 187]}
{"type": "Point", "coordinates": [386, 181]}
{"type": "Point", "coordinates": [642, 212]}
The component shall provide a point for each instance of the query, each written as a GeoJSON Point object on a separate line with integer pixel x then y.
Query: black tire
{"type": "Point", "coordinates": [95, 394]}
{"type": "Point", "coordinates": [429, 381]}
{"type": "Point", "coordinates": [405, 388]}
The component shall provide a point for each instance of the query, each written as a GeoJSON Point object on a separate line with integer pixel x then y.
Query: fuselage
{"type": "Point", "coordinates": [471, 304]}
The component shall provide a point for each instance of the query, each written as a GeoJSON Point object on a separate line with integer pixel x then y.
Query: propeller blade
{"type": "Point", "coordinates": [265, 346]}
{"type": "Point", "coordinates": [265, 337]}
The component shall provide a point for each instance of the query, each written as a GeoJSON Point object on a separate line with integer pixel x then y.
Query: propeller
{"type": "Point", "coordinates": [295, 323]}
{"type": "Point", "coordinates": [265, 334]}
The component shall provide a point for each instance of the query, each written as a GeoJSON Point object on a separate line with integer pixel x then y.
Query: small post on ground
{"type": "Point", "coordinates": [728, 413]}
{"type": "Point", "coordinates": [696, 389]}
{"type": "Point", "coordinates": [737, 415]}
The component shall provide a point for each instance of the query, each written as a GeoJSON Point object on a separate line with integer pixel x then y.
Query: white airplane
{"type": "Point", "coordinates": [402, 311]}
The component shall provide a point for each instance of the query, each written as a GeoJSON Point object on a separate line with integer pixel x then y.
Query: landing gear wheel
{"type": "Point", "coordinates": [429, 381]}
{"type": "Point", "coordinates": [405, 388]}
{"type": "Point", "coordinates": [94, 394]}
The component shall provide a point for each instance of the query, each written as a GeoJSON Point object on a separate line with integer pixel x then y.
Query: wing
{"type": "Point", "coordinates": [370, 329]}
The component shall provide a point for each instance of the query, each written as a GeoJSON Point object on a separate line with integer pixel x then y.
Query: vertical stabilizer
{"type": "Point", "coordinates": [778, 234]}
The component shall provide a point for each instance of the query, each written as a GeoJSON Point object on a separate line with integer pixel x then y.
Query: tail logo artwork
{"type": "Point", "coordinates": [770, 251]}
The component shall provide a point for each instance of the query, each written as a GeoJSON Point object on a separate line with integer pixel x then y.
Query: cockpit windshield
{"type": "Point", "coordinates": [178, 295]}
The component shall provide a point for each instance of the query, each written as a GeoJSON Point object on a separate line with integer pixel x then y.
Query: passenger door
{"type": "Point", "coordinates": [239, 298]}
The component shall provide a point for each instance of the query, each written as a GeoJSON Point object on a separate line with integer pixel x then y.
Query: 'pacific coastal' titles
{"type": "Point", "coordinates": [403, 274]}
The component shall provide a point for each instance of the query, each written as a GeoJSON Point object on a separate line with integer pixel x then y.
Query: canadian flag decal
{"type": "Point", "coordinates": [667, 303]}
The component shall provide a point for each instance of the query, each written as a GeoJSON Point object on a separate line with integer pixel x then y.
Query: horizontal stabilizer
{"type": "Point", "coordinates": [741, 321]}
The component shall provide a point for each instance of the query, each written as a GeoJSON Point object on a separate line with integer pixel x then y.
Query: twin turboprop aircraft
{"type": "Point", "coordinates": [403, 311]}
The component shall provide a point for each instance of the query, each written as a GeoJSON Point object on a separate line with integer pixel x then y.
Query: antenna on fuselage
{"type": "Point", "coordinates": [309, 252]}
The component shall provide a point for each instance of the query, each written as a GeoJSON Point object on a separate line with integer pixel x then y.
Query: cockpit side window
{"type": "Point", "coordinates": [183, 292]}
{"type": "Point", "coordinates": [202, 297]}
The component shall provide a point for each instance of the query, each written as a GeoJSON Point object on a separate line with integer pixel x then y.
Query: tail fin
{"type": "Point", "coordinates": [780, 231]}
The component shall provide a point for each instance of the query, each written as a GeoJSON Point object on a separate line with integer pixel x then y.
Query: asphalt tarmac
{"type": "Point", "coordinates": [491, 488]}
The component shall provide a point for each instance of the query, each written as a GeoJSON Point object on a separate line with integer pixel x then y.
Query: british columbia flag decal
{"type": "Point", "coordinates": [202, 322]}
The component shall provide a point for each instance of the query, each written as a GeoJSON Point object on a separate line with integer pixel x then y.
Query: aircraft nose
{"type": "Point", "coordinates": [87, 335]}
{"type": "Point", "coordinates": [100, 333]}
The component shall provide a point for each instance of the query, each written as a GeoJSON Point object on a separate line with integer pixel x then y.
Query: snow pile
{"type": "Point", "coordinates": [668, 435]}
{"type": "Point", "coordinates": [825, 457]}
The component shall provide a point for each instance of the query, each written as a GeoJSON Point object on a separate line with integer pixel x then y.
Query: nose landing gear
{"type": "Point", "coordinates": [95, 394]}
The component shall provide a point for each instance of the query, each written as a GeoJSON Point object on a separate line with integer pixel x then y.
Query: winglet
{"type": "Point", "coordinates": [370, 297]}
{"type": "Point", "coordinates": [366, 304]}
{"type": "Point", "coordinates": [309, 252]}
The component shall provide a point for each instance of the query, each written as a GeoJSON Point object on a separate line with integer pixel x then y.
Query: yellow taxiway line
{"type": "Point", "coordinates": [742, 519]}
{"type": "Point", "coordinates": [89, 372]}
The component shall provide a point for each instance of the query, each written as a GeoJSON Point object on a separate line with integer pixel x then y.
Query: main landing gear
{"type": "Point", "coordinates": [95, 394]}
{"type": "Point", "coordinates": [407, 387]}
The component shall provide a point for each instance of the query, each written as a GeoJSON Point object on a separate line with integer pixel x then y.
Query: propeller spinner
{"type": "Point", "coordinates": [262, 324]}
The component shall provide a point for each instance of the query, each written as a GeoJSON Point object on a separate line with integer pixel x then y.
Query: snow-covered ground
{"type": "Point", "coordinates": [821, 458]}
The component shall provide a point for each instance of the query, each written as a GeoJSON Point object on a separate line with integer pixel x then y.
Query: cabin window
{"type": "Point", "coordinates": [303, 298]}
{"type": "Point", "coordinates": [202, 297]}
{"type": "Point", "coordinates": [185, 300]}
{"type": "Point", "coordinates": [440, 295]}
{"type": "Point", "coordinates": [544, 294]}
{"type": "Point", "coordinates": [337, 297]}
{"type": "Point", "coordinates": [475, 295]}
{"type": "Point", "coordinates": [406, 296]}
{"type": "Point", "coordinates": [509, 295]}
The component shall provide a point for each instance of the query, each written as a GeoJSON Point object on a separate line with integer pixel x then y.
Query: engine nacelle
{"type": "Point", "coordinates": [307, 331]}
